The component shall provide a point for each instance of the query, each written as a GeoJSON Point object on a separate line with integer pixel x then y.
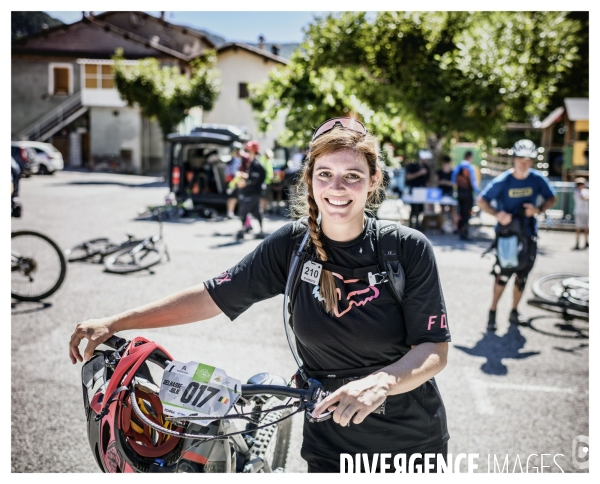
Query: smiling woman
{"type": "Point", "coordinates": [374, 351]}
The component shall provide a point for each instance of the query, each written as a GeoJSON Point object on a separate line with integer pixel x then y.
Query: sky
{"type": "Point", "coordinates": [278, 27]}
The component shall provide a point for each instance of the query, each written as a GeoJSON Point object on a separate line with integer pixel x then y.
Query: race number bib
{"type": "Point", "coordinates": [311, 272]}
{"type": "Point", "coordinates": [195, 390]}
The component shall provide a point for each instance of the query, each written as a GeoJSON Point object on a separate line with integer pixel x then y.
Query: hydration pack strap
{"type": "Point", "coordinates": [389, 251]}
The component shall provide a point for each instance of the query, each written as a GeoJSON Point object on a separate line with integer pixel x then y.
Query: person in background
{"type": "Point", "coordinates": [515, 193]}
{"type": "Point", "coordinates": [417, 174]}
{"type": "Point", "coordinates": [581, 197]}
{"type": "Point", "coordinates": [232, 167]}
{"type": "Point", "coordinates": [15, 176]}
{"type": "Point", "coordinates": [465, 179]}
{"type": "Point", "coordinates": [444, 182]}
{"type": "Point", "coordinates": [266, 193]}
{"type": "Point", "coordinates": [250, 183]}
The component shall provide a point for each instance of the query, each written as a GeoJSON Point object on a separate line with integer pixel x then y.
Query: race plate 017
{"type": "Point", "coordinates": [196, 390]}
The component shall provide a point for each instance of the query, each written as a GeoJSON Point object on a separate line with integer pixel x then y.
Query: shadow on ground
{"type": "Point", "coordinates": [22, 307]}
{"type": "Point", "coordinates": [497, 348]}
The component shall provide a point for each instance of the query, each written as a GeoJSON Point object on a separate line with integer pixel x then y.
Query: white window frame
{"type": "Point", "coordinates": [62, 65]}
{"type": "Point", "coordinates": [99, 76]}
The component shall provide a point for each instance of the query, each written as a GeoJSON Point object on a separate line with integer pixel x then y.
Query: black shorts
{"type": "Point", "coordinates": [318, 463]}
{"type": "Point", "coordinates": [249, 205]}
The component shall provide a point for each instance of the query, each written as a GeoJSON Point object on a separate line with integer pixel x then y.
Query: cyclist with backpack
{"type": "Point", "coordinates": [465, 180]}
{"type": "Point", "coordinates": [515, 194]}
{"type": "Point", "coordinates": [376, 346]}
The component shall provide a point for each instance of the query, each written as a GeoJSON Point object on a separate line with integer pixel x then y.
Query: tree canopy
{"type": "Point", "coordinates": [421, 78]}
{"type": "Point", "coordinates": [163, 92]}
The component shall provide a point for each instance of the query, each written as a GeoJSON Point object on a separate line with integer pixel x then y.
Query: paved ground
{"type": "Point", "coordinates": [515, 393]}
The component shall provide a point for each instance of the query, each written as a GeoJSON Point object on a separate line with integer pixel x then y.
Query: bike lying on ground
{"type": "Point", "coordinates": [130, 255]}
{"type": "Point", "coordinates": [186, 422]}
{"type": "Point", "coordinates": [37, 266]}
{"type": "Point", "coordinates": [99, 248]}
{"type": "Point", "coordinates": [564, 293]}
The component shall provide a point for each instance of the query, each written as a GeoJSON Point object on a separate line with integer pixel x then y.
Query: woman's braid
{"type": "Point", "coordinates": [327, 283]}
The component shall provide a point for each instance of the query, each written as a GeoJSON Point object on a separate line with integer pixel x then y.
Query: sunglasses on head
{"type": "Point", "coordinates": [345, 123]}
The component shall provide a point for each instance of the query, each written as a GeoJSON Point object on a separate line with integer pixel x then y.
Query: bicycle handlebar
{"type": "Point", "coordinates": [309, 397]}
{"type": "Point", "coordinates": [115, 342]}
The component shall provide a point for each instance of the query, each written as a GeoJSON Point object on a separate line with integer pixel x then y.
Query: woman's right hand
{"type": "Point", "coordinates": [96, 331]}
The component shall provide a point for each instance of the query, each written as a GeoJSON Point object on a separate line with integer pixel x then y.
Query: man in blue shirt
{"type": "Point", "coordinates": [515, 193]}
{"type": "Point", "coordinates": [465, 180]}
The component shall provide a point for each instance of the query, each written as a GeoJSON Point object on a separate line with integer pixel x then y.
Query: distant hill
{"type": "Point", "coordinates": [285, 50]}
{"type": "Point", "coordinates": [27, 23]}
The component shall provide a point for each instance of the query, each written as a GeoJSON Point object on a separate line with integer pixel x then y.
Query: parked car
{"type": "Point", "coordinates": [197, 163]}
{"type": "Point", "coordinates": [47, 158]}
{"type": "Point", "coordinates": [24, 156]}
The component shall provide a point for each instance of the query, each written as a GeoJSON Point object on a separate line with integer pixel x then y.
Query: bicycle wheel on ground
{"type": "Point", "coordinates": [140, 257]}
{"type": "Point", "coordinates": [568, 288]}
{"type": "Point", "coordinates": [87, 249]}
{"type": "Point", "coordinates": [38, 266]}
{"type": "Point", "coordinates": [273, 442]}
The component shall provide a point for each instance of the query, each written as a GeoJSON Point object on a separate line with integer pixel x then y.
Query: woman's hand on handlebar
{"type": "Point", "coordinates": [96, 331]}
{"type": "Point", "coordinates": [355, 400]}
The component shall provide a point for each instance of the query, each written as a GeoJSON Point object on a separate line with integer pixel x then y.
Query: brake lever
{"type": "Point", "coordinates": [320, 418]}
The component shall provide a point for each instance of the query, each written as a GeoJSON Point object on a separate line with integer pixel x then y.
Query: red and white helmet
{"type": "Point", "coordinates": [119, 440]}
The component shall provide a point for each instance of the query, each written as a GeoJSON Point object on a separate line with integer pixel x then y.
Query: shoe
{"type": "Point", "coordinates": [260, 235]}
{"type": "Point", "coordinates": [587, 245]}
{"type": "Point", "coordinates": [239, 235]}
{"type": "Point", "coordinates": [516, 318]}
{"type": "Point", "coordinates": [491, 326]}
{"type": "Point", "coordinates": [247, 230]}
{"type": "Point", "coordinates": [576, 247]}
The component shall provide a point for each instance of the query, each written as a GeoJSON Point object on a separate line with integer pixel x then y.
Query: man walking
{"type": "Point", "coordinates": [515, 193]}
{"type": "Point", "coordinates": [465, 180]}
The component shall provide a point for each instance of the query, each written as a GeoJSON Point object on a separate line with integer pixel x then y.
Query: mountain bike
{"type": "Point", "coordinates": [99, 248]}
{"type": "Point", "coordinates": [563, 293]}
{"type": "Point", "coordinates": [138, 425]}
{"type": "Point", "coordinates": [143, 255]}
{"type": "Point", "coordinates": [37, 266]}
{"type": "Point", "coordinates": [130, 255]}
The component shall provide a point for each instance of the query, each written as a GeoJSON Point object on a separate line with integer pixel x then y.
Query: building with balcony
{"type": "Point", "coordinates": [63, 88]}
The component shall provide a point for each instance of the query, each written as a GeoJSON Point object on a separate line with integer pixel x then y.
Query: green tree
{"type": "Point", "coordinates": [163, 92]}
{"type": "Point", "coordinates": [422, 78]}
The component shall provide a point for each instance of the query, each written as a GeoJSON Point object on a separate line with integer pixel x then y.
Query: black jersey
{"type": "Point", "coordinates": [368, 328]}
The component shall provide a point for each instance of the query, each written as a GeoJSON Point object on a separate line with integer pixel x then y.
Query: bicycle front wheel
{"type": "Point", "coordinates": [564, 287]}
{"type": "Point", "coordinates": [87, 249]}
{"type": "Point", "coordinates": [273, 442]}
{"type": "Point", "coordinates": [135, 259]}
{"type": "Point", "coordinates": [38, 266]}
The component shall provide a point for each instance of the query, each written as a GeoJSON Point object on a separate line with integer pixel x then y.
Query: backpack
{"type": "Point", "coordinates": [463, 182]}
{"type": "Point", "coordinates": [515, 250]}
{"type": "Point", "coordinates": [388, 270]}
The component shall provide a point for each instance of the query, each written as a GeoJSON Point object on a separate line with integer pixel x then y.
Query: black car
{"type": "Point", "coordinates": [24, 157]}
{"type": "Point", "coordinates": [197, 162]}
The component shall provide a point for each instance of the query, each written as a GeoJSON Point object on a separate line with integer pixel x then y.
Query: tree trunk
{"type": "Point", "coordinates": [434, 145]}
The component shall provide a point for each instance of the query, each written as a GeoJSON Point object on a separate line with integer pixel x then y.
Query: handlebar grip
{"type": "Point", "coordinates": [115, 342]}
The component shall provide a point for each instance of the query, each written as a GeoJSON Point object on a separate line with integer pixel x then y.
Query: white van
{"type": "Point", "coordinates": [47, 160]}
